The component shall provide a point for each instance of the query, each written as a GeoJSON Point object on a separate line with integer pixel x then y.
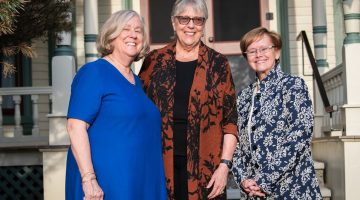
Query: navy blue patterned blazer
{"type": "Point", "coordinates": [274, 149]}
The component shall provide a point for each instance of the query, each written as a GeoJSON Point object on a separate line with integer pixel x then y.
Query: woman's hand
{"type": "Point", "coordinates": [92, 190]}
{"type": "Point", "coordinates": [251, 187]}
{"type": "Point", "coordinates": [218, 181]}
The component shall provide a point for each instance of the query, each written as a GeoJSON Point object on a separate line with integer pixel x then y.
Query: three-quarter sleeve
{"type": "Point", "coordinates": [230, 114]}
{"type": "Point", "coordinates": [86, 94]}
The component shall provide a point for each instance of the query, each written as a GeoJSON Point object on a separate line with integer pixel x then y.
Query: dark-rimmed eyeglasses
{"type": "Point", "coordinates": [263, 50]}
{"type": "Point", "coordinates": [184, 20]}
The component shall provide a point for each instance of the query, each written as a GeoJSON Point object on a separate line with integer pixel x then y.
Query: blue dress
{"type": "Point", "coordinates": [124, 135]}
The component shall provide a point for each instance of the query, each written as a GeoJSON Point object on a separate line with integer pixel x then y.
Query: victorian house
{"type": "Point", "coordinates": [321, 43]}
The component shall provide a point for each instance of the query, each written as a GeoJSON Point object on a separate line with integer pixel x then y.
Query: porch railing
{"type": "Point", "coordinates": [331, 90]}
{"type": "Point", "coordinates": [334, 86]}
{"type": "Point", "coordinates": [16, 136]}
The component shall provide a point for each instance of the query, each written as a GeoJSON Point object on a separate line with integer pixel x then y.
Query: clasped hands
{"type": "Point", "coordinates": [251, 188]}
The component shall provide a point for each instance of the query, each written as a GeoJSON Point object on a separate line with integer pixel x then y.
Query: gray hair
{"type": "Point", "coordinates": [112, 29]}
{"type": "Point", "coordinates": [197, 5]}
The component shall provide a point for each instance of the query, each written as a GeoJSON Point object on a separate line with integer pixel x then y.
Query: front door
{"type": "Point", "coordinates": [228, 21]}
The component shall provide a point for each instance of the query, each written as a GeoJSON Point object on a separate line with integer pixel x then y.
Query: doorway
{"type": "Point", "coordinates": [228, 21]}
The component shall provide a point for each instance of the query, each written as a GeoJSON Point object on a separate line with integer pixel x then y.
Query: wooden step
{"type": "Point", "coordinates": [319, 169]}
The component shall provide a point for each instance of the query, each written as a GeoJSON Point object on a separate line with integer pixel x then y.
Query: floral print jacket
{"type": "Point", "coordinates": [274, 147]}
{"type": "Point", "coordinates": [211, 113]}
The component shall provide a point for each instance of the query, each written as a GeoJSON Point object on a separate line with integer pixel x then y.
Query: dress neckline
{"type": "Point", "coordinates": [121, 74]}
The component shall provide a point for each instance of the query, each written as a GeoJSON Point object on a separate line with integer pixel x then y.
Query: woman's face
{"type": "Point", "coordinates": [130, 40]}
{"type": "Point", "coordinates": [261, 56]}
{"type": "Point", "coordinates": [188, 32]}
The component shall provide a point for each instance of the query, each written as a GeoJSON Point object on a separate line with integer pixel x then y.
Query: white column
{"type": "Point", "coordinates": [54, 158]}
{"type": "Point", "coordinates": [63, 71]}
{"type": "Point", "coordinates": [91, 29]}
{"type": "Point", "coordinates": [54, 172]}
{"type": "Point", "coordinates": [320, 47]}
{"type": "Point", "coordinates": [351, 60]}
{"type": "Point", "coordinates": [320, 34]}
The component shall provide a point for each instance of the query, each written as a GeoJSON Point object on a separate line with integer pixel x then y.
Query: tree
{"type": "Point", "coordinates": [23, 21]}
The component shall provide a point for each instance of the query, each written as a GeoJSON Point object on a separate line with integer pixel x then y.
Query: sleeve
{"type": "Point", "coordinates": [230, 114]}
{"type": "Point", "coordinates": [239, 169]}
{"type": "Point", "coordinates": [86, 95]}
{"type": "Point", "coordinates": [297, 140]}
{"type": "Point", "coordinates": [241, 157]}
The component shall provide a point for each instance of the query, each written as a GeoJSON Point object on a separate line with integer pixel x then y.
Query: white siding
{"type": "Point", "coordinates": [300, 18]}
{"type": "Point", "coordinates": [40, 77]}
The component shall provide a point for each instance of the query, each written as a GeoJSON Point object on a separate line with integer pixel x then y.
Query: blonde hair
{"type": "Point", "coordinates": [112, 29]}
{"type": "Point", "coordinates": [256, 34]}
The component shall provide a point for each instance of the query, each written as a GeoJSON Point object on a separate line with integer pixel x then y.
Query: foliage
{"type": "Point", "coordinates": [22, 21]}
{"type": "Point", "coordinates": [8, 11]}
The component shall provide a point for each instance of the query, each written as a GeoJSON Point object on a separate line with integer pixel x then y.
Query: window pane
{"type": "Point", "coordinates": [241, 72]}
{"type": "Point", "coordinates": [233, 18]}
{"type": "Point", "coordinates": [160, 21]}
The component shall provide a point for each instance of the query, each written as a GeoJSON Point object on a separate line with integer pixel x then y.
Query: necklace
{"type": "Point", "coordinates": [124, 70]}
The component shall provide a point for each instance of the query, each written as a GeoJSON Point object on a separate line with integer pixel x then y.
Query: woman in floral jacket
{"type": "Point", "coordinates": [273, 159]}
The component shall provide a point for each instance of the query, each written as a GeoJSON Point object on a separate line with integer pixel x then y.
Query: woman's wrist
{"type": "Point", "coordinates": [88, 176]}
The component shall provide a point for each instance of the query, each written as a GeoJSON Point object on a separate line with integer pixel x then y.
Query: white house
{"type": "Point", "coordinates": [33, 138]}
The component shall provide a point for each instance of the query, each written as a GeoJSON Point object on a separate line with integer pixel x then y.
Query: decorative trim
{"type": "Point", "coordinates": [64, 50]}
{"type": "Point", "coordinates": [90, 37]}
{"type": "Point", "coordinates": [319, 29]}
{"type": "Point", "coordinates": [322, 63]}
{"type": "Point", "coordinates": [352, 16]}
{"type": "Point", "coordinates": [352, 38]}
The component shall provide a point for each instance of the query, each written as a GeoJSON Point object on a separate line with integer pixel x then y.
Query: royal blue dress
{"type": "Point", "coordinates": [124, 135]}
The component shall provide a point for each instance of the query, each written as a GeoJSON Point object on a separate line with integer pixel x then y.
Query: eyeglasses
{"type": "Point", "coordinates": [263, 50]}
{"type": "Point", "coordinates": [184, 20]}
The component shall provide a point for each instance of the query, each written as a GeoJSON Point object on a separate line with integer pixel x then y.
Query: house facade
{"type": "Point", "coordinates": [33, 138]}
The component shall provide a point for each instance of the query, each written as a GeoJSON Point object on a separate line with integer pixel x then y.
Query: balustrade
{"type": "Point", "coordinates": [16, 136]}
{"type": "Point", "coordinates": [334, 86]}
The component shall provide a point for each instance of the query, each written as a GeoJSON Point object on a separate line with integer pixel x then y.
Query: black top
{"type": "Point", "coordinates": [184, 77]}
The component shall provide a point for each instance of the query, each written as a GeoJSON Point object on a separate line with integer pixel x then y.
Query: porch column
{"type": "Point", "coordinates": [63, 71]}
{"type": "Point", "coordinates": [320, 34]}
{"type": "Point", "coordinates": [91, 29]}
{"type": "Point", "coordinates": [320, 46]}
{"type": "Point", "coordinates": [54, 157]}
{"type": "Point", "coordinates": [351, 60]}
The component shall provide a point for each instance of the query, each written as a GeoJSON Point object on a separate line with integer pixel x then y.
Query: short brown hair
{"type": "Point", "coordinates": [256, 34]}
{"type": "Point", "coordinates": [112, 29]}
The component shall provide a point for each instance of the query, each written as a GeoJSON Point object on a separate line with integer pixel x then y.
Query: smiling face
{"type": "Point", "coordinates": [130, 40]}
{"type": "Point", "coordinates": [262, 62]}
{"type": "Point", "coordinates": [188, 35]}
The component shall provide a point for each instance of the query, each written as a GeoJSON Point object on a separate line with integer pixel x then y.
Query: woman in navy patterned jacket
{"type": "Point", "coordinates": [273, 159]}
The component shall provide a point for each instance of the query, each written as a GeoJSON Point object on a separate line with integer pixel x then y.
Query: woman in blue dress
{"type": "Point", "coordinates": [114, 128]}
{"type": "Point", "coordinates": [273, 158]}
